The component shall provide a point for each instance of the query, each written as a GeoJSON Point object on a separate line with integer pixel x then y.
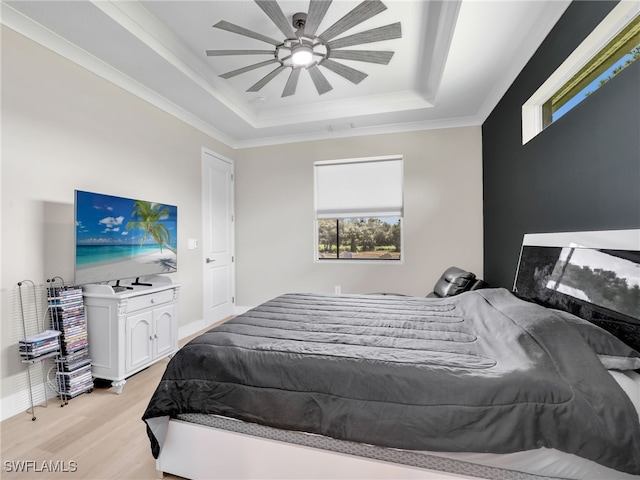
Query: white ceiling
{"type": "Point", "coordinates": [454, 62]}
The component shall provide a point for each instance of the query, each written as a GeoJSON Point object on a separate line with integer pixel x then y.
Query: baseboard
{"type": "Point", "coordinates": [239, 310]}
{"type": "Point", "coordinates": [18, 403]}
{"type": "Point", "coordinates": [191, 328]}
{"type": "Point", "coordinates": [199, 325]}
{"type": "Point", "coordinates": [11, 404]}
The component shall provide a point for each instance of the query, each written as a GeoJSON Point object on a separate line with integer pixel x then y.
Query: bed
{"type": "Point", "coordinates": [486, 384]}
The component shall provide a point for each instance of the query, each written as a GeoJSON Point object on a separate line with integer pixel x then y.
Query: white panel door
{"type": "Point", "coordinates": [218, 237]}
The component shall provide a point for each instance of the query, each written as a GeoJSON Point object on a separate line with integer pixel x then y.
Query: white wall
{"type": "Point", "coordinates": [64, 128]}
{"type": "Point", "coordinates": [275, 218]}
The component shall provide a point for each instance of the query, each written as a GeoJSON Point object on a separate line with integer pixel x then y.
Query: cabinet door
{"type": "Point", "coordinates": [164, 341]}
{"type": "Point", "coordinates": [139, 340]}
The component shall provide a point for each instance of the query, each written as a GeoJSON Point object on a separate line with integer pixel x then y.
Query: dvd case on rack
{"type": "Point", "coordinates": [39, 345]}
{"type": "Point", "coordinates": [66, 308]}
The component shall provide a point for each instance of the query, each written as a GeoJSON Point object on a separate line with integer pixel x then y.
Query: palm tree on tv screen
{"type": "Point", "coordinates": [149, 217]}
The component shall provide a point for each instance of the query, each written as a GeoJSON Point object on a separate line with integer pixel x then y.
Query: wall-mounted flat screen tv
{"type": "Point", "coordinates": [121, 238]}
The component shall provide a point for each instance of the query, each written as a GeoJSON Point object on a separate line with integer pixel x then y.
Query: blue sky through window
{"type": "Point", "coordinates": [592, 87]}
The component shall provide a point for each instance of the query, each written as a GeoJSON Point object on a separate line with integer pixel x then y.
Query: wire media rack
{"type": "Point", "coordinates": [37, 344]}
{"type": "Point", "coordinates": [57, 331]}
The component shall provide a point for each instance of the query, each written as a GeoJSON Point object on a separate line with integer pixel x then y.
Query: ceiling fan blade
{"type": "Point", "coordinates": [219, 53]}
{"type": "Point", "coordinates": [266, 79]}
{"type": "Point", "coordinates": [370, 56]}
{"type": "Point", "coordinates": [233, 28]}
{"type": "Point", "coordinates": [274, 12]}
{"type": "Point", "coordinates": [388, 32]}
{"type": "Point", "coordinates": [362, 12]}
{"type": "Point", "coordinates": [292, 83]}
{"type": "Point", "coordinates": [319, 80]}
{"type": "Point", "coordinates": [317, 11]}
{"type": "Point", "coordinates": [351, 74]}
{"type": "Point", "coordinates": [233, 73]}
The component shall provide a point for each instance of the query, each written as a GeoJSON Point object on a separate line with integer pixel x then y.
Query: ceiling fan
{"type": "Point", "coordinates": [303, 49]}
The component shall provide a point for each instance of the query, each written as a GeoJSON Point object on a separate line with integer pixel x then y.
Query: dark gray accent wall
{"type": "Point", "coordinates": [581, 173]}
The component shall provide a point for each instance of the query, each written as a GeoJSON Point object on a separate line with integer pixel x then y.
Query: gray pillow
{"type": "Point", "coordinates": [613, 353]}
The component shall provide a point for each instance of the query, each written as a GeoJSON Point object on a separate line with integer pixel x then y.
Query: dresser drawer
{"type": "Point", "coordinates": [149, 300]}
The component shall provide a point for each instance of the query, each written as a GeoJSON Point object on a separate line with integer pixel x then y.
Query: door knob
{"type": "Point", "coordinates": [209, 260]}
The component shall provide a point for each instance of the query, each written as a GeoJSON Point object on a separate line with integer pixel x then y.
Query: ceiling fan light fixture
{"type": "Point", "coordinates": [301, 55]}
{"type": "Point", "coordinates": [302, 48]}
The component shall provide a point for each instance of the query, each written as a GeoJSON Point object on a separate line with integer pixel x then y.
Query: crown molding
{"type": "Point", "coordinates": [34, 31]}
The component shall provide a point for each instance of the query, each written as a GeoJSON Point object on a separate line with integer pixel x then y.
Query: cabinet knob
{"type": "Point", "coordinates": [150, 337]}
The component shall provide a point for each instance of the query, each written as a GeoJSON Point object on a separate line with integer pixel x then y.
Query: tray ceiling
{"type": "Point", "coordinates": [451, 66]}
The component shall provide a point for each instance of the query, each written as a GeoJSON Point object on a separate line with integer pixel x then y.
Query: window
{"type": "Point", "coordinates": [359, 207]}
{"type": "Point", "coordinates": [609, 49]}
{"type": "Point", "coordinates": [621, 52]}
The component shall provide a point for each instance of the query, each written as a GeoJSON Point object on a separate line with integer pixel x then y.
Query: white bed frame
{"type": "Point", "coordinates": [201, 452]}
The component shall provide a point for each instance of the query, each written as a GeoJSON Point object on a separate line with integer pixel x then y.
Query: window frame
{"type": "Point", "coordinates": [536, 113]}
{"type": "Point", "coordinates": [625, 41]}
{"type": "Point", "coordinates": [345, 216]}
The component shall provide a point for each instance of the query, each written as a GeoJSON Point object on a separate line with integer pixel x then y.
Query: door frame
{"type": "Point", "coordinates": [205, 157]}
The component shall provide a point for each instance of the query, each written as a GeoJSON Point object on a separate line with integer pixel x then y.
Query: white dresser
{"type": "Point", "coordinates": [130, 329]}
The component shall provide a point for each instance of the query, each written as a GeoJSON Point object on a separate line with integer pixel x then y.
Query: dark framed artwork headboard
{"type": "Point", "coordinates": [593, 275]}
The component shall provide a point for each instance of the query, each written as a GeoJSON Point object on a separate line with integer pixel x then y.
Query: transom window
{"type": "Point", "coordinates": [359, 209]}
{"type": "Point", "coordinates": [617, 55]}
{"type": "Point", "coordinates": [612, 46]}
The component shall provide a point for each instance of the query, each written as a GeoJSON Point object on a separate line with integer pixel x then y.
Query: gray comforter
{"type": "Point", "coordinates": [479, 372]}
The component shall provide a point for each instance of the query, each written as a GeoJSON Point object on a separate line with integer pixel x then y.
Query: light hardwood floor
{"type": "Point", "coordinates": [97, 435]}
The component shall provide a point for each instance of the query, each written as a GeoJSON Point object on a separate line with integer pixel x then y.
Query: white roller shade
{"type": "Point", "coordinates": [359, 188]}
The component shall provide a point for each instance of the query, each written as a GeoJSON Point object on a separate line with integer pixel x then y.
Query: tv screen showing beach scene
{"type": "Point", "coordinates": [123, 238]}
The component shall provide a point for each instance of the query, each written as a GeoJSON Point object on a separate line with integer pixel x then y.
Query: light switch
{"type": "Point", "coordinates": [192, 243]}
